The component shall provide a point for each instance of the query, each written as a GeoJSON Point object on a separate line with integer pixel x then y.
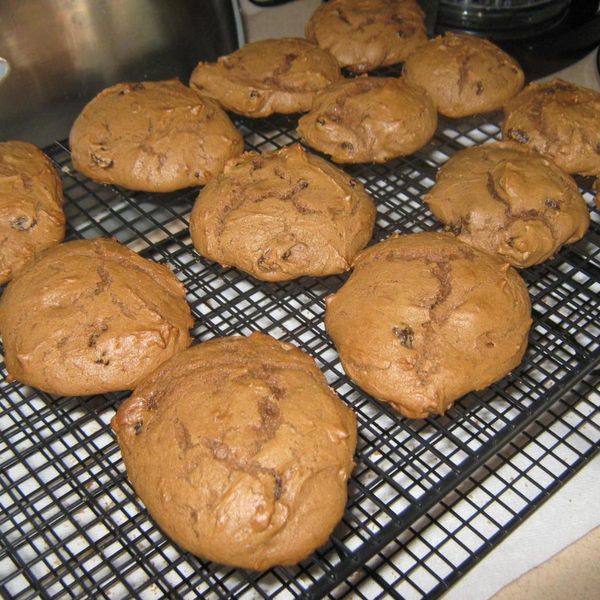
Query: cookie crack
{"type": "Point", "coordinates": [426, 364]}
{"type": "Point", "coordinates": [282, 69]}
{"type": "Point", "coordinates": [463, 71]}
{"type": "Point", "coordinates": [223, 453]}
{"type": "Point", "coordinates": [147, 269]}
{"type": "Point", "coordinates": [530, 214]}
{"type": "Point", "coordinates": [122, 306]}
{"type": "Point", "coordinates": [105, 280]}
{"type": "Point", "coordinates": [183, 437]}
{"type": "Point", "coordinates": [536, 114]}
{"type": "Point", "coordinates": [441, 271]}
{"type": "Point", "coordinates": [270, 416]}
{"type": "Point", "coordinates": [342, 16]}
{"type": "Point", "coordinates": [285, 195]}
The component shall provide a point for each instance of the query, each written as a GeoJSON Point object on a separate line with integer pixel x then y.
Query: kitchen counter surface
{"type": "Point", "coordinates": [554, 553]}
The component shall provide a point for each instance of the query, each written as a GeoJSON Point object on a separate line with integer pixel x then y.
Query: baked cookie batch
{"type": "Point", "coordinates": [31, 206]}
{"type": "Point", "coordinates": [92, 316]}
{"type": "Point", "coordinates": [559, 120]}
{"type": "Point", "coordinates": [464, 75]}
{"type": "Point", "coordinates": [369, 119]}
{"type": "Point", "coordinates": [267, 77]}
{"type": "Point", "coordinates": [281, 215]}
{"type": "Point", "coordinates": [255, 451]}
{"type": "Point", "coordinates": [425, 318]}
{"type": "Point", "coordinates": [155, 136]}
{"type": "Point", "coordinates": [237, 446]}
{"type": "Point", "coordinates": [366, 34]}
{"type": "Point", "coordinates": [510, 201]}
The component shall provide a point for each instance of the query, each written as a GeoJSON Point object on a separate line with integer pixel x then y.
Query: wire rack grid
{"type": "Point", "coordinates": [427, 498]}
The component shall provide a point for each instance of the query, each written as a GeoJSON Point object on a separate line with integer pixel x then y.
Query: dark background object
{"type": "Point", "coordinates": [545, 36]}
{"type": "Point", "coordinates": [504, 19]}
{"type": "Point", "coordinates": [62, 52]}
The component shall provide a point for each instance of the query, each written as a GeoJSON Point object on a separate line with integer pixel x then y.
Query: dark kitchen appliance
{"type": "Point", "coordinates": [543, 35]}
{"type": "Point", "coordinates": [62, 52]}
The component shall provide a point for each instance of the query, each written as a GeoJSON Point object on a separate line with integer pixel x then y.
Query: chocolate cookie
{"type": "Point", "coordinates": [156, 136]}
{"type": "Point", "coordinates": [240, 451]}
{"type": "Point", "coordinates": [558, 119]}
{"type": "Point", "coordinates": [424, 318]}
{"type": "Point", "coordinates": [366, 34]}
{"type": "Point", "coordinates": [464, 74]}
{"type": "Point", "coordinates": [369, 119]}
{"type": "Point", "coordinates": [508, 200]}
{"type": "Point", "coordinates": [269, 76]}
{"type": "Point", "coordinates": [89, 317]}
{"type": "Point", "coordinates": [31, 206]}
{"type": "Point", "coordinates": [282, 215]}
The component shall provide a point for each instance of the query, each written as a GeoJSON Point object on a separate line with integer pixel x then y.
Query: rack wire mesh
{"type": "Point", "coordinates": [72, 527]}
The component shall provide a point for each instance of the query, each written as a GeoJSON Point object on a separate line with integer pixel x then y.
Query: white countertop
{"type": "Point", "coordinates": [570, 513]}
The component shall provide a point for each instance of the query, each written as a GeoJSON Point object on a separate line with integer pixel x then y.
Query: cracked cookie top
{"type": "Point", "coordinates": [31, 206]}
{"type": "Point", "coordinates": [425, 318]}
{"type": "Point", "coordinates": [366, 34]}
{"type": "Point", "coordinates": [89, 317]}
{"type": "Point", "coordinates": [464, 74]}
{"type": "Point", "coordinates": [508, 200]}
{"type": "Point", "coordinates": [266, 77]}
{"type": "Point", "coordinates": [240, 451]}
{"type": "Point", "coordinates": [369, 119]}
{"type": "Point", "coordinates": [282, 215]}
{"type": "Point", "coordinates": [560, 120]}
{"type": "Point", "coordinates": [155, 136]}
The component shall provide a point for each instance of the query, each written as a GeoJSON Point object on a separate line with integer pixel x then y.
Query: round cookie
{"type": "Point", "coordinates": [424, 318]}
{"type": "Point", "coordinates": [31, 206]}
{"type": "Point", "coordinates": [240, 451]}
{"type": "Point", "coordinates": [508, 200]}
{"type": "Point", "coordinates": [366, 34]}
{"type": "Point", "coordinates": [369, 119]}
{"type": "Point", "coordinates": [558, 119]}
{"type": "Point", "coordinates": [267, 77]}
{"type": "Point", "coordinates": [155, 136]}
{"type": "Point", "coordinates": [89, 317]}
{"type": "Point", "coordinates": [282, 215]}
{"type": "Point", "coordinates": [464, 75]}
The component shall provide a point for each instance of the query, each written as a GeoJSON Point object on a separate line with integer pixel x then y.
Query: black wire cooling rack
{"type": "Point", "coordinates": [427, 499]}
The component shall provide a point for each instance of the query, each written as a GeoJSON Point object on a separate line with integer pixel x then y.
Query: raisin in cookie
{"type": "Point", "coordinates": [281, 215]}
{"type": "Point", "coordinates": [240, 451]}
{"type": "Point", "coordinates": [558, 119]}
{"type": "Point", "coordinates": [31, 206]}
{"type": "Point", "coordinates": [366, 34]}
{"type": "Point", "coordinates": [89, 317]}
{"type": "Point", "coordinates": [267, 77]}
{"type": "Point", "coordinates": [508, 200]}
{"type": "Point", "coordinates": [155, 136]}
{"type": "Point", "coordinates": [464, 74]}
{"type": "Point", "coordinates": [425, 318]}
{"type": "Point", "coordinates": [369, 119]}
